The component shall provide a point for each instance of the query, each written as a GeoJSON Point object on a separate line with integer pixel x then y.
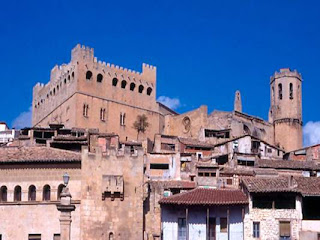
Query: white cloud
{"type": "Point", "coordinates": [311, 133]}
{"type": "Point", "coordinates": [172, 103]}
{"type": "Point", "coordinates": [23, 120]}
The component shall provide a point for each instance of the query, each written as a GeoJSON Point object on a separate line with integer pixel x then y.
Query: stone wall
{"type": "Point", "coordinates": [117, 216]}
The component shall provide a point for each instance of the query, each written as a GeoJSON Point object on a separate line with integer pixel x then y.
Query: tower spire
{"type": "Point", "coordinates": [237, 102]}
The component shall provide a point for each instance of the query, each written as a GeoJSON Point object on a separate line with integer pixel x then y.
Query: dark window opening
{"type": "Point", "coordinates": [255, 147]}
{"type": "Point", "coordinates": [34, 237]}
{"type": "Point", "coordinates": [46, 193]}
{"type": "Point", "coordinates": [32, 193]}
{"type": "Point", "coordinates": [102, 114]}
{"type": "Point", "coordinates": [141, 88]}
{"type": "Point", "coordinates": [114, 82]}
{"type": "Point", "coordinates": [217, 133]}
{"type": "Point", "coordinates": [72, 75]}
{"type": "Point", "coordinates": [132, 86]}
{"type": "Point", "coordinates": [212, 229]}
{"type": "Point", "coordinates": [223, 225]}
{"type": "Point", "coordinates": [274, 201]}
{"type": "Point", "coordinates": [280, 90]}
{"type": "Point", "coordinates": [99, 77]}
{"type": "Point", "coordinates": [17, 194]}
{"type": "Point", "coordinates": [56, 236]}
{"type": "Point", "coordinates": [222, 160]}
{"type": "Point", "coordinates": [149, 91]}
{"type": "Point", "coordinates": [256, 229]}
{"type": "Point", "coordinates": [245, 162]}
{"type": "Point", "coordinates": [291, 91]}
{"type": "Point", "coordinates": [4, 194]}
{"type": "Point", "coordinates": [311, 208]}
{"type": "Point", "coordinates": [88, 75]}
{"type": "Point", "coordinates": [60, 188]}
{"type": "Point", "coordinates": [163, 166]}
{"type": "Point", "coordinates": [123, 84]}
{"type": "Point", "coordinates": [168, 147]}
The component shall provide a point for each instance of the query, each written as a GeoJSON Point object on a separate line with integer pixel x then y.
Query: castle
{"type": "Point", "coordinates": [87, 93]}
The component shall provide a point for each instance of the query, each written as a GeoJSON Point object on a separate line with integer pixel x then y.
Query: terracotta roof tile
{"type": "Point", "coordinates": [37, 154]}
{"type": "Point", "coordinates": [288, 164]}
{"type": "Point", "coordinates": [175, 184]}
{"type": "Point", "coordinates": [208, 197]}
{"type": "Point", "coordinates": [195, 143]}
{"type": "Point", "coordinates": [307, 186]}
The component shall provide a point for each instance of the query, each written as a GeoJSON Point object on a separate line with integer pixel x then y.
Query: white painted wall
{"type": "Point", "coordinates": [197, 222]}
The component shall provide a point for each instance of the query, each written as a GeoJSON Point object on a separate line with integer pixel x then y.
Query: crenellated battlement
{"type": "Point", "coordinates": [285, 72]}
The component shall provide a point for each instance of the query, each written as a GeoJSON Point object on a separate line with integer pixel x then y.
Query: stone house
{"type": "Point", "coordinates": [282, 208]}
{"type": "Point", "coordinates": [30, 186]}
{"type": "Point", "coordinates": [203, 213]}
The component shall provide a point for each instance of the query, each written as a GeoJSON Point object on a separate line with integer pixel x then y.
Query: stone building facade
{"type": "Point", "coordinates": [88, 93]}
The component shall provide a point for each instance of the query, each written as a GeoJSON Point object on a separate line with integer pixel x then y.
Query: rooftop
{"type": "Point", "coordinates": [37, 154]}
{"type": "Point", "coordinates": [207, 197]}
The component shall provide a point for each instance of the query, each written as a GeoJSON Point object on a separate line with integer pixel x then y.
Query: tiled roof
{"type": "Point", "coordinates": [208, 197]}
{"type": "Point", "coordinates": [195, 143]}
{"type": "Point", "coordinates": [238, 171]}
{"type": "Point", "coordinates": [37, 154]}
{"type": "Point", "coordinates": [307, 186]}
{"type": "Point", "coordinates": [288, 164]}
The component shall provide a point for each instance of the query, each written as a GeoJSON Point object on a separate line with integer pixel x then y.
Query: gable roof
{"type": "Point", "coordinates": [306, 186]}
{"type": "Point", "coordinates": [287, 164]}
{"type": "Point", "coordinates": [207, 197]}
{"type": "Point", "coordinates": [37, 154]}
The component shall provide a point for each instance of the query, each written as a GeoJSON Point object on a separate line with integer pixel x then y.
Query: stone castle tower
{"type": "Point", "coordinates": [286, 109]}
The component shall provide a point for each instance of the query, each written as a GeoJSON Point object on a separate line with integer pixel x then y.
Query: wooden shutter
{"type": "Point", "coordinates": [285, 229]}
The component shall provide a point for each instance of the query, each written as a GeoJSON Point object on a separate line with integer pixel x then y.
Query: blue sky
{"type": "Point", "coordinates": [204, 50]}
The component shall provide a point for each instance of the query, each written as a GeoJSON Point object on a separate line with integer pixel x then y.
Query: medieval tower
{"type": "Point", "coordinates": [286, 109]}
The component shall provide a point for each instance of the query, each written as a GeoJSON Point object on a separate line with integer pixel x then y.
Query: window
{"type": "Point", "coordinates": [99, 77]}
{"type": "Point", "coordinates": [291, 91]}
{"type": "Point", "coordinates": [114, 82]}
{"type": "Point", "coordinates": [122, 119]}
{"type": "Point", "coordinates": [88, 75]}
{"type": "Point", "coordinates": [280, 90]}
{"type": "Point", "coordinates": [212, 229]}
{"type": "Point", "coordinates": [182, 229]}
{"type": "Point", "coordinates": [60, 188]}
{"type": "Point", "coordinates": [256, 229]}
{"type": "Point", "coordinates": [141, 88]}
{"type": "Point", "coordinates": [72, 75]}
{"type": "Point", "coordinates": [85, 110]}
{"type": "Point", "coordinates": [4, 194]}
{"type": "Point", "coordinates": [163, 166]}
{"type": "Point", "coordinates": [32, 193]}
{"type": "Point", "coordinates": [56, 236]}
{"type": "Point", "coordinates": [274, 201]}
{"type": "Point", "coordinates": [223, 225]}
{"type": "Point", "coordinates": [284, 230]}
{"type": "Point", "coordinates": [132, 86]}
{"type": "Point", "coordinates": [17, 194]}
{"type": "Point", "coordinates": [149, 91]}
{"type": "Point", "coordinates": [168, 146]}
{"type": "Point", "coordinates": [34, 237]}
{"type": "Point", "coordinates": [102, 114]}
{"type": "Point", "coordinates": [46, 193]}
{"type": "Point", "coordinates": [123, 84]}
{"type": "Point", "coordinates": [111, 236]}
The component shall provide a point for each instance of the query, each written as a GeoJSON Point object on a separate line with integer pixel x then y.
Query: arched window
{"type": "Point", "coordinates": [291, 91]}
{"type": "Point", "coordinates": [65, 81]}
{"type": "Point", "coordinates": [114, 81]}
{"type": "Point", "coordinates": [123, 84]}
{"type": "Point", "coordinates": [32, 193]}
{"type": "Point", "coordinates": [72, 75]}
{"type": "Point", "coordinates": [99, 77]}
{"type": "Point", "coordinates": [57, 87]}
{"type": "Point", "coordinates": [69, 78]}
{"type": "Point", "coordinates": [3, 194]}
{"type": "Point", "coordinates": [46, 193]}
{"type": "Point", "coordinates": [17, 194]}
{"type": "Point", "coordinates": [132, 86]}
{"type": "Point", "coordinates": [141, 88]}
{"type": "Point", "coordinates": [111, 236]}
{"type": "Point", "coordinates": [280, 90]}
{"type": "Point", "coordinates": [54, 91]}
{"type": "Point", "coordinates": [88, 75]}
{"type": "Point", "coordinates": [60, 188]}
{"type": "Point", "coordinates": [149, 91]}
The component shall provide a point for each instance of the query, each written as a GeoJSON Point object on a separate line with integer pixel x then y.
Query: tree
{"type": "Point", "coordinates": [141, 124]}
